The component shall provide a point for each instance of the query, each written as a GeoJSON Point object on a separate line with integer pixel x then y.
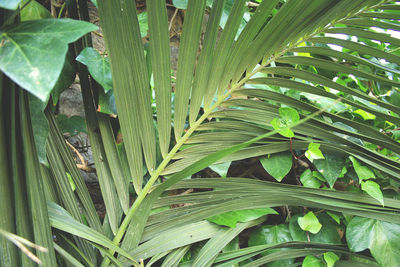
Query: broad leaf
{"type": "Point", "coordinates": [271, 235]}
{"type": "Point", "coordinates": [309, 222]}
{"type": "Point", "coordinates": [373, 190]}
{"type": "Point", "coordinates": [98, 66]}
{"type": "Point", "coordinates": [313, 152]}
{"type": "Point", "coordinates": [312, 261]}
{"type": "Point", "coordinates": [363, 172]}
{"type": "Point", "coordinates": [382, 238]}
{"type": "Point", "coordinates": [278, 165]}
{"type": "Point", "coordinates": [308, 180]}
{"type": "Point", "coordinates": [221, 168]}
{"type": "Point", "coordinates": [330, 167]}
{"type": "Point", "coordinates": [72, 125]}
{"type": "Point", "coordinates": [33, 11]}
{"type": "Point", "coordinates": [33, 53]}
{"type": "Point", "coordinates": [330, 258]}
{"type": "Point", "coordinates": [328, 233]}
{"type": "Point", "coordinates": [289, 116]}
{"type": "Point", "coordinates": [232, 217]}
{"type": "Point", "coordinates": [40, 127]}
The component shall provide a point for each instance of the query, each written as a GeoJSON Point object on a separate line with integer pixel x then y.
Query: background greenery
{"type": "Point", "coordinates": [274, 142]}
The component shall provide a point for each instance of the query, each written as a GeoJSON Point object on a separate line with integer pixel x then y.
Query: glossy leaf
{"type": "Point", "coordinates": [330, 167]}
{"type": "Point", "coordinates": [33, 52]}
{"type": "Point", "coordinates": [382, 238]}
{"type": "Point", "coordinates": [312, 261]}
{"type": "Point", "coordinates": [231, 218]}
{"type": "Point", "coordinates": [330, 258]}
{"type": "Point", "coordinates": [309, 222]}
{"type": "Point", "coordinates": [271, 235]}
{"type": "Point", "coordinates": [33, 10]}
{"type": "Point", "coordinates": [278, 165]}
{"type": "Point", "coordinates": [363, 172]}
{"type": "Point", "coordinates": [313, 152]}
{"type": "Point", "coordinates": [98, 66]}
{"type": "Point", "coordinates": [309, 180]}
{"type": "Point", "coordinates": [373, 189]}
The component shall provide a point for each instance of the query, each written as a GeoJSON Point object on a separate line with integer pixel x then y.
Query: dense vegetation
{"type": "Point", "coordinates": [275, 141]}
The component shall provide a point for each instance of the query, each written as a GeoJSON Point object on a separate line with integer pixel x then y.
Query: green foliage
{"type": "Point", "coordinates": [33, 53]}
{"type": "Point", "coordinates": [309, 222]}
{"type": "Point", "coordinates": [278, 165]}
{"type": "Point", "coordinates": [285, 79]}
{"type": "Point", "coordinates": [231, 218]}
{"type": "Point", "coordinates": [382, 239]}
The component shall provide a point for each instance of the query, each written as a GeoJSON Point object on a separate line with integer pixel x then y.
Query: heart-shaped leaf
{"type": "Point", "coordinates": [309, 222]}
{"type": "Point", "coordinates": [33, 52]}
{"type": "Point", "coordinates": [313, 152]}
{"type": "Point", "coordinates": [98, 66]}
{"type": "Point", "coordinates": [382, 238]}
{"type": "Point", "coordinates": [232, 217]}
{"type": "Point", "coordinates": [373, 190]}
{"type": "Point", "coordinates": [278, 165]}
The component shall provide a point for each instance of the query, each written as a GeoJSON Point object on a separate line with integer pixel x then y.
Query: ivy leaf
{"type": "Point", "coordinates": [330, 258]}
{"type": "Point", "coordinates": [313, 152]}
{"type": "Point", "coordinates": [232, 217]}
{"type": "Point", "coordinates": [288, 116]}
{"type": "Point", "coordinates": [308, 180]}
{"type": "Point", "coordinates": [312, 261]}
{"type": "Point", "coordinates": [98, 66]}
{"type": "Point", "coordinates": [10, 4]}
{"type": "Point", "coordinates": [363, 172]}
{"type": "Point", "coordinates": [33, 52]}
{"type": "Point", "coordinates": [278, 165]}
{"type": "Point", "coordinates": [143, 24]}
{"type": "Point", "coordinates": [373, 190]}
{"type": "Point", "coordinates": [107, 103]}
{"type": "Point", "coordinates": [73, 125]}
{"type": "Point", "coordinates": [328, 233]}
{"type": "Point", "coordinates": [272, 235]}
{"type": "Point", "coordinates": [310, 223]}
{"type": "Point", "coordinates": [382, 238]}
{"type": "Point", "coordinates": [33, 11]}
{"type": "Point", "coordinates": [330, 167]}
{"type": "Point", "coordinates": [40, 127]}
{"type": "Point", "coordinates": [221, 168]}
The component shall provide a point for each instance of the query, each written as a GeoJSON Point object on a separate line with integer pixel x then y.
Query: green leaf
{"type": "Point", "coordinates": [232, 217]}
{"type": "Point", "coordinates": [181, 4]}
{"type": "Point", "coordinates": [9, 4]}
{"type": "Point", "coordinates": [309, 222]}
{"type": "Point", "coordinates": [33, 11]}
{"type": "Point", "coordinates": [330, 167]}
{"type": "Point", "coordinates": [308, 180]}
{"type": "Point", "coordinates": [98, 66]}
{"type": "Point", "coordinates": [312, 261]}
{"type": "Point", "coordinates": [272, 235]}
{"type": "Point", "coordinates": [288, 116]}
{"type": "Point", "coordinates": [373, 190]}
{"type": "Point", "coordinates": [73, 125]}
{"type": "Point", "coordinates": [221, 168]}
{"type": "Point", "coordinates": [328, 233]}
{"type": "Point", "coordinates": [40, 127]}
{"type": "Point", "coordinates": [382, 238]}
{"type": "Point", "coordinates": [330, 258]}
{"type": "Point", "coordinates": [278, 165]}
{"type": "Point", "coordinates": [313, 152]}
{"type": "Point", "coordinates": [279, 125]}
{"type": "Point", "coordinates": [363, 172]}
{"type": "Point", "coordinates": [66, 78]}
{"type": "Point", "coordinates": [33, 52]}
{"type": "Point", "coordinates": [143, 25]}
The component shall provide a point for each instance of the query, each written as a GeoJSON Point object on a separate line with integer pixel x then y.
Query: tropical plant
{"type": "Point", "coordinates": [313, 77]}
